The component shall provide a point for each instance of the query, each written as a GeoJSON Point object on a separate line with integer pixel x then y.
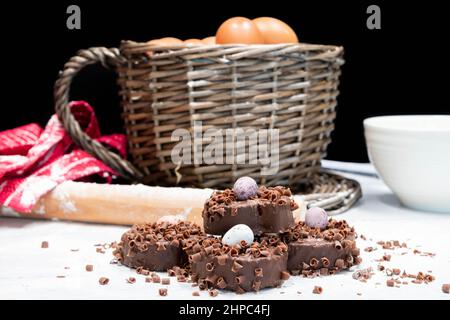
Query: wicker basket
{"type": "Point", "coordinates": [292, 87]}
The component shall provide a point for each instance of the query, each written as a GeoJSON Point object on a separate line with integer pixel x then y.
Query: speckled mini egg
{"type": "Point", "coordinates": [244, 188]}
{"type": "Point", "coordinates": [238, 233]}
{"type": "Point", "coordinates": [316, 218]}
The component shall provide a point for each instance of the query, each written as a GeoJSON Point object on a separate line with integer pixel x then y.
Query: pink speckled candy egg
{"type": "Point", "coordinates": [316, 218]}
{"type": "Point", "coordinates": [244, 188]}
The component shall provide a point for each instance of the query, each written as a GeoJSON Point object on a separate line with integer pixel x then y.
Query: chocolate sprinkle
{"type": "Point", "coordinates": [284, 275]}
{"type": "Point", "coordinates": [317, 290]}
{"type": "Point", "coordinates": [163, 292]}
{"type": "Point", "coordinates": [213, 293]}
{"type": "Point", "coordinates": [446, 288]}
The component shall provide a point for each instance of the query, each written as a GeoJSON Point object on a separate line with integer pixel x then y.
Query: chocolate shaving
{"type": "Point", "coordinates": [239, 279]}
{"type": "Point", "coordinates": [202, 284]}
{"type": "Point", "coordinates": [165, 281]}
{"type": "Point", "coordinates": [314, 263]}
{"type": "Point", "coordinates": [222, 259]}
{"type": "Point", "coordinates": [239, 290]}
{"type": "Point", "coordinates": [236, 267]}
{"type": "Point", "coordinates": [213, 293]}
{"type": "Point", "coordinates": [44, 244]}
{"type": "Point", "coordinates": [195, 257]}
{"type": "Point", "coordinates": [363, 274]}
{"type": "Point", "coordinates": [221, 283]}
{"type": "Point", "coordinates": [317, 290]}
{"type": "Point", "coordinates": [256, 285]}
{"type": "Point", "coordinates": [340, 264]}
{"type": "Point", "coordinates": [160, 246]}
{"type": "Point", "coordinates": [89, 267]}
{"type": "Point", "coordinates": [163, 292]}
{"type": "Point", "coordinates": [446, 288]}
{"type": "Point", "coordinates": [171, 273]}
{"type": "Point", "coordinates": [131, 280]}
{"type": "Point", "coordinates": [103, 281]}
{"type": "Point", "coordinates": [258, 272]}
{"type": "Point", "coordinates": [209, 267]}
{"type": "Point", "coordinates": [284, 275]}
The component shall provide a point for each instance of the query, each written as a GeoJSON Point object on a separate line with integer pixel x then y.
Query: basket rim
{"type": "Point", "coordinates": [301, 45]}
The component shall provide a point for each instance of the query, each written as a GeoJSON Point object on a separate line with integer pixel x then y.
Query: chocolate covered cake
{"type": "Point", "coordinates": [268, 210]}
{"type": "Point", "coordinates": [314, 251]}
{"type": "Point", "coordinates": [241, 267]}
{"type": "Point", "coordinates": [259, 245]}
{"type": "Point", "coordinates": [157, 246]}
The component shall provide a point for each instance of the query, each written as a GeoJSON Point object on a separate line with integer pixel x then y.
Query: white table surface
{"type": "Point", "coordinates": [29, 272]}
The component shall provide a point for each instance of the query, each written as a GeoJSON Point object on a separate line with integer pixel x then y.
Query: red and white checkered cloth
{"type": "Point", "coordinates": [33, 160]}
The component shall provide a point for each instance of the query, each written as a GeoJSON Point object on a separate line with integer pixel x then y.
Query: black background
{"type": "Point", "coordinates": [396, 70]}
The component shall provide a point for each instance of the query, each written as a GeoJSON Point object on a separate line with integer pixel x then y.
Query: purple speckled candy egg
{"type": "Point", "coordinates": [244, 188]}
{"type": "Point", "coordinates": [316, 218]}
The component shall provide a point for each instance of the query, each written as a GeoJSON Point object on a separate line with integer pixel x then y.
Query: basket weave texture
{"type": "Point", "coordinates": [290, 87]}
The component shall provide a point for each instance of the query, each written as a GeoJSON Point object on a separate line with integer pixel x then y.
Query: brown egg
{"type": "Point", "coordinates": [209, 40]}
{"type": "Point", "coordinates": [239, 30]}
{"type": "Point", "coordinates": [275, 31]}
{"type": "Point", "coordinates": [168, 41]}
{"type": "Point", "coordinates": [195, 42]}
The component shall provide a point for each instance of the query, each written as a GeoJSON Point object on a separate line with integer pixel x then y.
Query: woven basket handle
{"type": "Point", "coordinates": [110, 58]}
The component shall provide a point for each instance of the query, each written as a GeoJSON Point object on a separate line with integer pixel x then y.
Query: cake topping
{"type": "Point", "coordinates": [334, 227]}
{"type": "Point", "coordinates": [141, 236]}
{"type": "Point", "coordinates": [237, 234]}
{"type": "Point", "coordinates": [214, 246]}
{"type": "Point", "coordinates": [244, 188]}
{"type": "Point", "coordinates": [219, 200]}
{"type": "Point", "coordinates": [316, 218]}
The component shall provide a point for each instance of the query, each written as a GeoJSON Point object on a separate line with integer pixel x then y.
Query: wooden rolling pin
{"type": "Point", "coordinates": [118, 204]}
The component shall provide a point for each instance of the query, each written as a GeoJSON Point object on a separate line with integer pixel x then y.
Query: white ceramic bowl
{"type": "Point", "coordinates": [412, 156]}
